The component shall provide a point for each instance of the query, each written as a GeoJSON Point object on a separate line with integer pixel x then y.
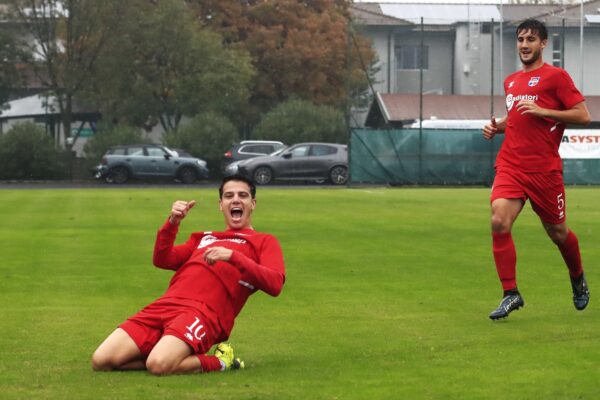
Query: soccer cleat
{"type": "Point", "coordinates": [224, 352]}
{"type": "Point", "coordinates": [581, 293]}
{"type": "Point", "coordinates": [508, 304]}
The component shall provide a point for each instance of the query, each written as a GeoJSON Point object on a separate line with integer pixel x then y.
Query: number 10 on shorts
{"type": "Point", "coordinates": [560, 203]}
{"type": "Point", "coordinates": [196, 329]}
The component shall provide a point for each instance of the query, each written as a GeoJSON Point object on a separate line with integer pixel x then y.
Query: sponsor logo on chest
{"type": "Point", "coordinates": [511, 100]}
{"type": "Point", "coordinates": [210, 239]}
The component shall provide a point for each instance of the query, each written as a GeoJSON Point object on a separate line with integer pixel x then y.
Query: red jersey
{"type": "Point", "coordinates": [256, 264]}
{"type": "Point", "coordinates": [531, 143]}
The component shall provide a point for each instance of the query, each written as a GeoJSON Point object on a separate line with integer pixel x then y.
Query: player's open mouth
{"type": "Point", "coordinates": [236, 213]}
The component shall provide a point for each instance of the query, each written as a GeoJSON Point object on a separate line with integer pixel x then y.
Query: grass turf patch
{"type": "Point", "coordinates": [387, 296]}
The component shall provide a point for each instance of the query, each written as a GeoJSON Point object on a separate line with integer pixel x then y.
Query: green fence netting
{"type": "Point", "coordinates": [438, 157]}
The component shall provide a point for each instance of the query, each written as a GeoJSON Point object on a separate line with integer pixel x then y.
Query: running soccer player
{"type": "Point", "coordinates": [215, 274]}
{"type": "Point", "coordinates": [540, 101]}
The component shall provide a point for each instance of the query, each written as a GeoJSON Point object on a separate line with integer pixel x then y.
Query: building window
{"type": "Point", "coordinates": [409, 57]}
{"type": "Point", "coordinates": [556, 50]}
{"type": "Point", "coordinates": [486, 28]}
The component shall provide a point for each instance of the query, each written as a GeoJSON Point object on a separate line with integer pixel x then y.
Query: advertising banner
{"type": "Point", "coordinates": [580, 144]}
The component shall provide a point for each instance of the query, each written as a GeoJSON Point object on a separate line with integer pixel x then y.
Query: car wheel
{"type": "Point", "coordinates": [118, 175]}
{"type": "Point", "coordinates": [263, 175]}
{"type": "Point", "coordinates": [338, 175]}
{"type": "Point", "coordinates": [187, 175]}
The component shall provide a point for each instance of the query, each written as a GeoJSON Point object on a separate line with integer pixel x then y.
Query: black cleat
{"type": "Point", "coordinates": [508, 304]}
{"type": "Point", "coordinates": [581, 293]}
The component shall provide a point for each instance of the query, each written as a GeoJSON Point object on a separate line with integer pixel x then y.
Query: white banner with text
{"type": "Point", "coordinates": [580, 143]}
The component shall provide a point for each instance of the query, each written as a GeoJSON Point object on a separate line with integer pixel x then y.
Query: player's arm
{"type": "Point", "coordinates": [578, 114]}
{"type": "Point", "coordinates": [495, 126]}
{"type": "Point", "coordinates": [267, 275]}
{"type": "Point", "coordinates": [166, 255]}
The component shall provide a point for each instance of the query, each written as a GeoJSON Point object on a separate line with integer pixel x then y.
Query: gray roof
{"type": "Point", "coordinates": [441, 14]}
{"type": "Point", "coordinates": [371, 14]}
{"type": "Point", "coordinates": [31, 106]}
{"type": "Point", "coordinates": [449, 14]}
{"type": "Point", "coordinates": [571, 14]}
{"type": "Point", "coordinates": [37, 105]}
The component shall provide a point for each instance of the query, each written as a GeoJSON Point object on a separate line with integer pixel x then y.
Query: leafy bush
{"type": "Point", "coordinates": [206, 136]}
{"type": "Point", "coordinates": [28, 153]}
{"type": "Point", "coordinates": [104, 138]}
{"type": "Point", "coordinates": [298, 121]}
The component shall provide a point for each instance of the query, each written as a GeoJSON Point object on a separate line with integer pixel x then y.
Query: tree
{"type": "Point", "coordinates": [301, 49]}
{"type": "Point", "coordinates": [161, 64]}
{"type": "Point", "coordinates": [66, 39]}
{"type": "Point", "coordinates": [8, 71]}
{"type": "Point", "coordinates": [206, 136]}
{"type": "Point", "coordinates": [298, 121]}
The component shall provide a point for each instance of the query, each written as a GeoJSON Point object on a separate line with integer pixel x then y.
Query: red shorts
{"type": "Point", "coordinates": [190, 321]}
{"type": "Point", "coordinates": [545, 191]}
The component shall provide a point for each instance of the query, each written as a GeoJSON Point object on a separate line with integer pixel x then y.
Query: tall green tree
{"type": "Point", "coordinates": [65, 40]}
{"type": "Point", "coordinates": [161, 64]}
{"type": "Point", "coordinates": [301, 49]}
{"type": "Point", "coordinates": [8, 71]}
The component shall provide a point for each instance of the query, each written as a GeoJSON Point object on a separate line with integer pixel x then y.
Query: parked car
{"type": "Point", "coordinates": [120, 163]}
{"type": "Point", "coordinates": [315, 162]}
{"type": "Point", "coordinates": [249, 149]}
{"type": "Point", "coordinates": [183, 153]}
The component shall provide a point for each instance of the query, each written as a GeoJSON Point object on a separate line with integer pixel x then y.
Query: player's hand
{"type": "Point", "coordinates": [490, 130]}
{"type": "Point", "coordinates": [529, 107]}
{"type": "Point", "coordinates": [179, 210]}
{"type": "Point", "coordinates": [215, 254]}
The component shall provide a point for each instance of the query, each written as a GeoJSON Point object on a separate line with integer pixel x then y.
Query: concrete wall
{"type": "Point", "coordinates": [438, 77]}
{"type": "Point", "coordinates": [471, 72]}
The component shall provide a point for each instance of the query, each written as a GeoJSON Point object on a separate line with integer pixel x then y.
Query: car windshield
{"type": "Point", "coordinates": [171, 152]}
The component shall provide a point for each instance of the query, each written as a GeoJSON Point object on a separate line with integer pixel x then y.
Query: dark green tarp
{"type": "Point", "coordinates": [438, 157]}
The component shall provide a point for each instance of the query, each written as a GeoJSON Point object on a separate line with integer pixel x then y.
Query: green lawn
{"type": "Point", "coordinates": [387, 297]}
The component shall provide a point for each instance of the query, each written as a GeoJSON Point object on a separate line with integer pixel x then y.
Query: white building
{"type": "Point", "coordinates": [468, 49]}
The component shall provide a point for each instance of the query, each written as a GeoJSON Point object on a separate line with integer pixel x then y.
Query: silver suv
{"type": "Point", "coordinates": [120, 163]}
{"type": "Point", "coordinates": [249, 149]}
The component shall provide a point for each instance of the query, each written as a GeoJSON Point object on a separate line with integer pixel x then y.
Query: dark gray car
{"type": "Point", "coordinates": [121, 163]}
{"type": "Point", "coordinates": [301, 162]}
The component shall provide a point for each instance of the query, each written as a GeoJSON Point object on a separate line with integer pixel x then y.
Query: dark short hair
{"type": "Point", "coordinates": [240, 178]}
{"type": "Point", "coordinates": [535, 26]}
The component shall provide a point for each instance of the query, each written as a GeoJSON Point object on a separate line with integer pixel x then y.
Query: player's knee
{"type": "Point", "coordinates": [102, 362]}
{"type": "Point", "coordinates": [159, 366]}
{"type": "Point", "coordinates": [500, 224]}
{"type": "Point", "coordinates": [558, 236]}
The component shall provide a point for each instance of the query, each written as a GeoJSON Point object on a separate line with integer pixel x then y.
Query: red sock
{"type": "Point", "coordinates": [209, 363]}
{"type": "Point", "coordinates": [505, 257]}
{"type": "Point", "coordinates": [570, 252]}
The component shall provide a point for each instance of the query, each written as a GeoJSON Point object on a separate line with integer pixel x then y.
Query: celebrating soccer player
{"type": "Point", "coordinates": [540, 101]}
{"type": "Point", "coordinates": [215, 274]}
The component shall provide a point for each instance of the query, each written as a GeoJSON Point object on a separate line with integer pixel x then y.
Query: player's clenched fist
{"type": "Point", "coordinates": [179, 210]}
{"type": "Point", "coordinates": [215, 254]}
{"type": "Point", "coordinates": [490, 130]}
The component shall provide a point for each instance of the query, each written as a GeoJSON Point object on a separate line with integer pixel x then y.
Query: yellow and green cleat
{"type": "Point", "coordinates": [224, 352]}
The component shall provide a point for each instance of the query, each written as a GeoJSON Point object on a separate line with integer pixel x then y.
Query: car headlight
{"type": "Point", "coordinates": [201, 163]}
{"type": "Point", "coordinates": [233, 167]}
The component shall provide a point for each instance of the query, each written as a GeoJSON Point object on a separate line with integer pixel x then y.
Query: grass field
{"type": "Point", "coordinates": [387, 297]}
